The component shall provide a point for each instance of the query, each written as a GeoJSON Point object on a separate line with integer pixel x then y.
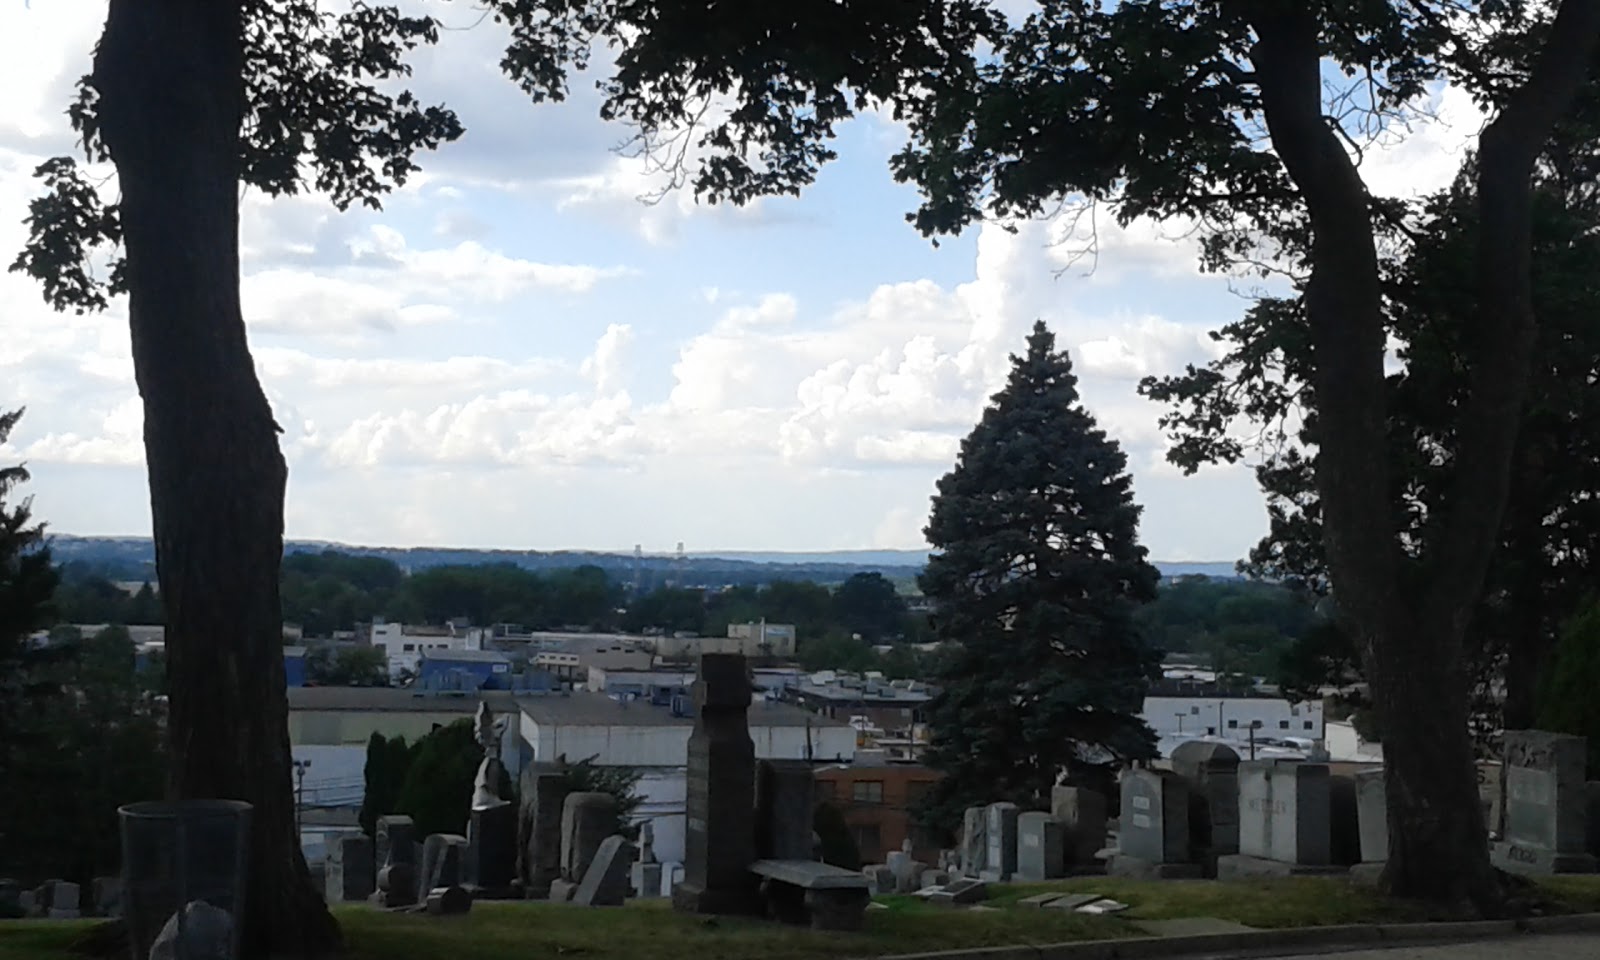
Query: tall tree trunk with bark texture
{"type": "Point", "coordinates": [169, 76]}
{"type": "Point", "coordinates": [1411, 634]}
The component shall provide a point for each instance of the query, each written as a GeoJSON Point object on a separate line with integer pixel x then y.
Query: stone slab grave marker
{"type": "Point", "coordinates": [1000, 831]}
{"type": "Point", "coordinates": [394, 854]}
{"type": "Point", "coordinates": [1372, 816]}
{"type": "Point", "coordinates": [1546, 829]}
{"type": "Point", "coordinates": [605, 883]}
{"type": "Point", "coordinates": [1284, 821]}
{"type": "Point", "coordinates": [1211, 771]}
{"type": "Point", "coordinates": [544, 789]}
{"type": "Point", "coordinates": [491, 863]}
{"type": "Point", "coordinates": [645, 874]}
{"type": "Point", "coordinates": [974, 844]}
{"type": "Point", "coordinates": [719, 828]}
{"type": "Point", "coordinates": [1082, 813]}
{"type": "Point", "coordinates": [586, 820]}
{"type": "Point", "coordinates": [443, 859]}
{"type": "Point", "coordinates": [785, 799]}
{"type": "Point", "coordinates": [350, 875]}
{"type": "Point", "coordinates": [448, 901]}
{"type": "Point", "coordinates": [1153, 833]}
{"type": "Point", "coordinates": [66, 901]}
{"type": "Point", "coordinates": [959, 892]}
{"type": "Point", "coordinates": [107, 895]}
{"type": "Point", "coordinates": [1041, 847]}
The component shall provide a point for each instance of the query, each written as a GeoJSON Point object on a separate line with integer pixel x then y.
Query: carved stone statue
{"type": "Point", "coordinates": [488, 730]}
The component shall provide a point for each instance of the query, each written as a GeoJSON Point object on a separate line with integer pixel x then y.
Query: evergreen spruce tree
{"type": "Point", "coordinates": [1036, 573]}
{"type": "Point", "coordinates": [27, 588]}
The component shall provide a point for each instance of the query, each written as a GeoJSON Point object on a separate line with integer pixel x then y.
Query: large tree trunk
{"type": "Point", "coordinates": [1411, 639]}
{"type": "Point", "coordinates": [169, 75]}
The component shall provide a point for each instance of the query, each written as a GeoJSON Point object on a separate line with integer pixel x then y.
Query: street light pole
{"type": "Point", "coordinates": [300, 768]}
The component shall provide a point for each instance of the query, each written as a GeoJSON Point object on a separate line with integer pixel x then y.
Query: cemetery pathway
{"type": "Point", "coordinates": [1576, 946]}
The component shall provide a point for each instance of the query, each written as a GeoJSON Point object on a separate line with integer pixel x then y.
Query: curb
{"type": "Point", "coordinates": [1378, 935]}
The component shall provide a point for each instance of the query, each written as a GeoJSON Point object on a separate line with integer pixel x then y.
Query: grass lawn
{"type": "Point", "coordinates": [515, 931]}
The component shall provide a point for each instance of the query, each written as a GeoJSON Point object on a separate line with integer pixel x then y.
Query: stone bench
{"type": "Point", "coordinates": [809, 891]}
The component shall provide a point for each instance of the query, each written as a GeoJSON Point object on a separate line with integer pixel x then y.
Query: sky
{"type": "Point", "coordinates": [519, 352]}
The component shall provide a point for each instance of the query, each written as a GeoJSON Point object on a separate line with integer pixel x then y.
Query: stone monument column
{"type": "Point", "coordinates": [720, 836]}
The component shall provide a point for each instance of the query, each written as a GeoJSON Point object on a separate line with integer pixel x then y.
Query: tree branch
{"type": "Point", "coordinates": [1461, 541]}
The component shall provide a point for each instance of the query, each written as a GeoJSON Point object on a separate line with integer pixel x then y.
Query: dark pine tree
{"type": "Point", "coordinates": [1036, 574]}
{"type": "Point", "coordinates": [27, 588]}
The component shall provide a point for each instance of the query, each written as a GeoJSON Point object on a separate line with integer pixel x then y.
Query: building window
{"type": "Point", "coordinates": [867, 791]}
{"type": "Point", "coordinates": [868, 841]}
{"type": "Point", "coordinates": [1283, 724]}
{"type": "Point", "coordinates": [1310, 725]}
{"type": "Point", "coordinates": [1194, 711]}
{"type": "Point", "coordinates": [1233, 724]}
{"type": "Point", "coordinates": [1294, 711]}
{"type": "Point", "coordinates": [409, 647]}
{"type": "Point", "coordinates": [1211, 731]}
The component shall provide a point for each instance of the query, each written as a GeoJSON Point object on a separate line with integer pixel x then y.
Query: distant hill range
{"type": "Point", "coordinates": [133, 558]}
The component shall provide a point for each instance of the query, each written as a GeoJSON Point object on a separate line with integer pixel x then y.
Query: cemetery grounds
{"type": "Point", "coordinates": [894, 925]}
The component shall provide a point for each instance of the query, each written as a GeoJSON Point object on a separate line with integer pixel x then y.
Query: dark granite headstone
{"type": "Point", "coordinates": [586, 820]}
{"type": "Point", "coordinates": [544, 792]}
{"type": "Point", "coordinates": [349, 875]}
{"type": "Point", "coordinates": [719, 835]}
{"type": "Point", "coordinates": [448, 901]}
{"type": "Point", "coordinates": [393, 840]}
{"type": "Point", "coordinates": [1211, 771]}
{"type": "Point", "coordinates": [1000, 828]}
{"type": "Point", "coordinates": [1041, 847]}
{"type": "Point", "coordinates": [785, 799]}
{"type": "Point", "coordinates": [443, 860]}
{"type": "Point", "coordinates": [1082, 813]}
{"type": "Point", "coordinates": [605, 883]}
{"type": "Point", "coordinates": [492, 850]}
{"type": "Point", "coordinates": [107, 894]}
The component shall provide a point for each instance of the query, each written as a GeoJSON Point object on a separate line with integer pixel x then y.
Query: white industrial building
{"type": "Point", "coordinates": [331, 725]}
{"type": "Point", "coordinates": [1233, 718]}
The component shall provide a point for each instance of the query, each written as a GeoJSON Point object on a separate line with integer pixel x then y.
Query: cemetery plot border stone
{"type": "Point", "coordinates": [1545, 805]}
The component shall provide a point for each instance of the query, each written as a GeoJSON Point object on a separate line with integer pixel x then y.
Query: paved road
{"type": "Point", "coordinates": [1579, 946]}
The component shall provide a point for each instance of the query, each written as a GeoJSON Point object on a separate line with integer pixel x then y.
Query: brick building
{"type": "Point", "coordinates": [876, 802]}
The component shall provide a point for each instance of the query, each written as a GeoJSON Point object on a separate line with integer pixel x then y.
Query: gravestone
{"type": "Point", "coordinates": [1000, 830]}
{"type": "Point", "coordinates": [605, 882]}
{"type": "Point", "coordinates": [491, 850]}
{"type": "Point", "coordinates": [974, 843]}
{"type": "Point", "coordinates": [443, 860]}
{"type": "Point", "coordinates": [544, 789]}
{"type": "Point", "coordinates": [349, 875]}
{"type": "Point", "coordinates": [907, 871]}
{"type": "Point", "coordinates": [66, 901]}
{"type": "Point", "coordinates": [785, 799]}
{"type": "Point", "coordinates": [1372, 823]}
{"type": "Point", "coordinates": [586, 820]}
{"type": "Point", "coordinates": [1153, 831]}
{"type": "Point", "coordinates": [10, 895]}
{"type": "Point", "coordinates": [645, 878]}
{"type": "Point", "coordinates": [880, 879]}
{"type": "Point", "coordinates": [719, 835]}
{"type": "Point", "coordinates": [961, 892]}
{"type": "Point", "coordinates": [1344, 819]}
{"type": "Point", "coordinates": [448, 901]}
{"type": "Point", "coordinates": [395, 854]}
{"type": "Point", "coordinates": [1211, 772]}
{"type": "Point", "coordinates": [107, 895]}
{"type": "Point", "coordinates": [1284, 821]}
{"type": "Point", "coordinates": [1082, 813]}
{"type": "Point", "coordinates": [933, 877]}
{"type": "Point", "coordinates": [1546, 807]}
{"type": "Point", "coordinates": [1041, 847]}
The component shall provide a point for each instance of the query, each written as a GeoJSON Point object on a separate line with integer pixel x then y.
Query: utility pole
{"type": "Point", "coordinates": [1180, 723]}
{"type": "Point", "coordinates": [300, 768]}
